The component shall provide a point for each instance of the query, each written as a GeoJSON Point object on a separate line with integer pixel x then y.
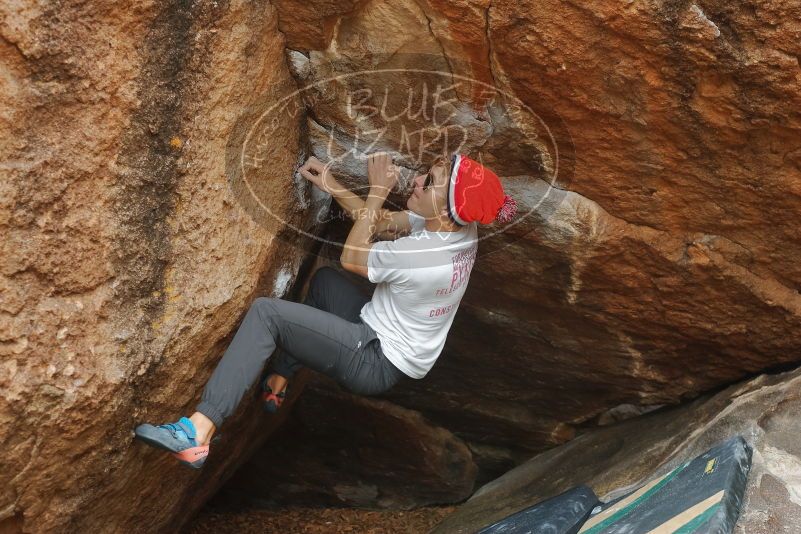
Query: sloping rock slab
{"type": "Point", "coordinates": [702, 495]}
{"type": "Point", "coordinates": [614, 461]}
{"type": "Point", "coordinates": [563, 514]}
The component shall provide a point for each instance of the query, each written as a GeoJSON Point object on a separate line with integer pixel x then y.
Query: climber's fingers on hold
{"type": "Point", "coordinates": [313, 164]}
{"type": "Point", "coordinates": [307, 174]}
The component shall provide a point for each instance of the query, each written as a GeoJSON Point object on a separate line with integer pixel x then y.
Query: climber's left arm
{"type": "Point", "coordinates": [357, 246]}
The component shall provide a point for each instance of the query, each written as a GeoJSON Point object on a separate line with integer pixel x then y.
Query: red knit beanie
{"type": "Point", "coordinates": [475, 194]}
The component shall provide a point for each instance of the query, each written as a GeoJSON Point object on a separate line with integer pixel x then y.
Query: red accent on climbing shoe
{"type": "Point", "coordinates": [277, 398]}
{"type": "Point", "coordinates": [192, 454]}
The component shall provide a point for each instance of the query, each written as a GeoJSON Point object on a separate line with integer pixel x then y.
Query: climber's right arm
{"type": "Point", "coordinates": [390, 224]}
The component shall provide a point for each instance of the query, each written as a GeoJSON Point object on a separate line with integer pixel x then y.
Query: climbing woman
{"type": "Point", "coordinates": [365, 344]}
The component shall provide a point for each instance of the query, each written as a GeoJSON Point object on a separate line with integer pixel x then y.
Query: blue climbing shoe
{"type": "Point", "coordinates": [177, 438]}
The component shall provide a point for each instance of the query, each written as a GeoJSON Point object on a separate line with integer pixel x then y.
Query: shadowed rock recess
{"type": "Point", "coordinates": [654, 151]}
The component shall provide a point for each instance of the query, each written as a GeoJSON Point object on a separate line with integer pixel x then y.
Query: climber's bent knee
{"type": "Point", "coordinates": [264, 303]}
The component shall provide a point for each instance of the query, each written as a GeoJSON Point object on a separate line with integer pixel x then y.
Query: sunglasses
{"type": "Point", "coordinates": [430, 177]}
{"type": "Point", "coordinates": [429, 180]}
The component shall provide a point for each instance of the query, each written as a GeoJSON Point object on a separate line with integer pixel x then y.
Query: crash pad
{"type": "Point", "coordinates": [700, 496]}
{"type": "Point", "coordinates": [563, 514]}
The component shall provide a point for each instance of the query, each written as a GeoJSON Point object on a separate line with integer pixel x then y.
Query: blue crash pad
{"type": "Point", "coordinates": [700, 496]}
{"type": "Point", "coordinates": [563, 514]}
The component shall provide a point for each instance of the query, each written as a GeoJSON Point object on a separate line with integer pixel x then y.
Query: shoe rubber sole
{"type": "Point", "coordinates": [193, 457]}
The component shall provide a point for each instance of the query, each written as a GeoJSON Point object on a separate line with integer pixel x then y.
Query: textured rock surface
{"type": "Point", "coordinates": [316, 520]}
{"type": "Point", "coordinates": [764, 411]}
{"type": "Point", "coordinates": [668, 267]}
{"type": "Point", "coordinates": [125, 258]}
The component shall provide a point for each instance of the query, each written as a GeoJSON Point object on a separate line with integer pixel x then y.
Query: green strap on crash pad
{"type": "Point", "coordinates": [630, 508]}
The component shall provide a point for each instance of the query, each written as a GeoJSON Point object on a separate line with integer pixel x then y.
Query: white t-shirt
{"type": "Point", "coordinates": [421, 279]}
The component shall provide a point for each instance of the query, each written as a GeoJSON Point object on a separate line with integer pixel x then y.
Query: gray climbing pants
{"type": "Point", "coordinates": [324, 333]}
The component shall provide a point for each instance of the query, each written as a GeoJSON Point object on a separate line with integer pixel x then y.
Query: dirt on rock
{"type": "Point", "coordinates": [319, 521]}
